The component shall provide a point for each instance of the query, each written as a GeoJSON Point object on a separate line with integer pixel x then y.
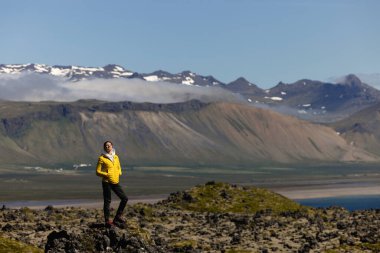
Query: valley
{"type": "Point", "coordinates": [23, 187]}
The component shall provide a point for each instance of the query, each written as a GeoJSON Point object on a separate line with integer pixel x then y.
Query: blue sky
{"type": "Point", "coordinates": [265, 41]}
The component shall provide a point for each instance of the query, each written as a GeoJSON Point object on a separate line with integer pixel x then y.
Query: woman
{"type": "Point", "coordinates": [109, 169]}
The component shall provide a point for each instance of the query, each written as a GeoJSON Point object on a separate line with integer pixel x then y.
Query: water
{"type": "Point", "coordinates": [351, 203]}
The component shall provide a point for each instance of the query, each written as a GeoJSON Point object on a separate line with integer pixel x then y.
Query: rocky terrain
{"type": "Point", "coordinates": [215, 217]}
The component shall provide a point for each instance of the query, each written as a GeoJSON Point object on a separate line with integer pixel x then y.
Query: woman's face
{"type": "Point", "coordinates": [108, 147]}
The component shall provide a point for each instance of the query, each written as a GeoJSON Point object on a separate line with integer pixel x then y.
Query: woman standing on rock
{"type": "Point", "coordinates": [109, 169]}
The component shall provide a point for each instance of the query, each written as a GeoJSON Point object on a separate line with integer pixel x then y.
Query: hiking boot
{"type": "Point", "coordinates": [119, 219]}
{"type": "Point", "coordinates": [119, 222]}
{"type": "Point", "coordinates": [109, 224]}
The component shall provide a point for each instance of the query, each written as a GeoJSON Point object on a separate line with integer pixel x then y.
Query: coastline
{"type": "Point", "coordinates": [327, 192]}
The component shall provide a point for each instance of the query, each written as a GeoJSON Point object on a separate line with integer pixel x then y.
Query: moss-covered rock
{"type": "Point", "coordinates": [8, 245]}
{"type": "Point", "coordinates": [222, 197]}
{"type": "Point", "coordinates": [374, 247]}
{"type": "Point", "coordinates": [184, 246]}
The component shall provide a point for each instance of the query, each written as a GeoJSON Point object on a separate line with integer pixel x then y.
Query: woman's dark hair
{"type": "Point", "coordinates": [104, 144]}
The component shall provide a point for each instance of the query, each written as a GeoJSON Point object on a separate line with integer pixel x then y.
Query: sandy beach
{"type": "Point", "coordinates": [328, 191]}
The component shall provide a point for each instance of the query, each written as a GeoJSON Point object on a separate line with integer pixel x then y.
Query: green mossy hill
{"type": "Point", "coordinates": [223, 197]}
{"type": "Point", "coordinates": [8, 245]}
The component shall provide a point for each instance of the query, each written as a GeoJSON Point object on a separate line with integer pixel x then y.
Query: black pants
{"type": "Point", "coordinates": [116, 188]}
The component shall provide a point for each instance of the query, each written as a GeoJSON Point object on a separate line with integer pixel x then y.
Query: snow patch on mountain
{"type": "Point", "coordinates": [71, 73]}
{"type": "Point", "coordinates": [59, 72]}
{"type": "Point", "coordinates": [78, 73]}
{"type": "Point", "coordinates": [188, 81]}
{"type": "Point", "coordinates": [151, 78]}
{"type": "Point", "coordinates": [274, 98]}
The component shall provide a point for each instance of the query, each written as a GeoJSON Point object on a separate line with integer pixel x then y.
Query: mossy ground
{"type": "Point", "coordinates": [239, 251]}
{"type": "Point", "coordinates": [374, 247]}
{"type": "Point", "coordinates": [362, 247]}
{"type": "Point", "coordinates": [183, 245]}
{"type": "Point", "coordinates": [222, 197]}
{"type": "Point", "coordinates": [8, 245]}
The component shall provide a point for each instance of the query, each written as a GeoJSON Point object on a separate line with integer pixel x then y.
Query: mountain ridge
{"type": "Point", "coordinates": [307, 99]}
{"type": "Point", "coordinates": [183, 133]}
{"type": "Point", "coordinates": [362, 129]}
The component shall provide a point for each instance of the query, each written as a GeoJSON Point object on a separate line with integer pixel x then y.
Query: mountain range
{"type": "Point", "coordinates": [312, 100]}
{"type": "Point", "coordinates": [194, 132]}
{"type": "Point", "coordinates": [325, 102]}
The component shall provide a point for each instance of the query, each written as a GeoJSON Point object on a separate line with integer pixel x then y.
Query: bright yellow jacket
{"type": "Point", "coordinates": [108, 170]}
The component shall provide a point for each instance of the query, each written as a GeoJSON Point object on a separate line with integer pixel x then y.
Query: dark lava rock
{"type": "Point", "coordinates": [114, 235]}
{"type": "Point", "coordinates": [224, 194]}
{"type": "Point", "coordinates": [240, 221]}
{"type": "Point", "coordinates": [341, 225]}
{"type": "Point", "coordinates": [96, 225]}
{"type": "Point", "coordinates": [236, 238]}
{"type": "Point", "coordinates": [305, 248]}
{"type": "Point", "coordinates": [10, 217]}
{"type": "Point", "coordinates": [62, 242]}
{"type": "Point", "coordinates": [7, 227]}
{"type": "Point", "coordinates": [212, 218]}
{"type": "Point", "coordinates": [310, 240]}
{"type": "Point", "coordinates": [49, 208]}
{"type": "Point", "coordinates": [187, 197]}
{"type": "Point", "coordinates": [42, 227]}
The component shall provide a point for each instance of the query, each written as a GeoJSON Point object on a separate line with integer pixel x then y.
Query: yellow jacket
{"type": "Point", "coordinates": [110, 171]}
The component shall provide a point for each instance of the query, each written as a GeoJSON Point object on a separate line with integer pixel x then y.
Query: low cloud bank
{"type": "Point", "coordinates": [37, 87]}
{"type": "Point", "coordinates": [31, 87]}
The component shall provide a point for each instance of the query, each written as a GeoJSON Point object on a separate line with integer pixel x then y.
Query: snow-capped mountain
{"type": "Point", "coordinates": [185, 77]}
{"type": "Point", "coordinates": [306, 99]}
{"type": "Point", "coordinates": [78, 73]}
{"type": "Point", "coordinates": [71, 73]}
{"type": "Point", "coordinates": [323, 101]}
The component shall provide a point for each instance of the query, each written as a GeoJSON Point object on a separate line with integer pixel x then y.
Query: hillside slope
{"type": "Point", "coordinates": [362, 129]}
{"type": "Point", "coordinates": [181, 133]}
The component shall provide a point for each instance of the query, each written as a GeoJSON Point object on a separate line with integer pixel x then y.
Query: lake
{"type": "Point", "coordinates": [351, 203]}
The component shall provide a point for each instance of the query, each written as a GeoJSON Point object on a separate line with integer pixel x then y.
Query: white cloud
{"type": "Point", "coordinates": [37, 87]}
{"type": "Point", "coordinates": [31, 87]}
